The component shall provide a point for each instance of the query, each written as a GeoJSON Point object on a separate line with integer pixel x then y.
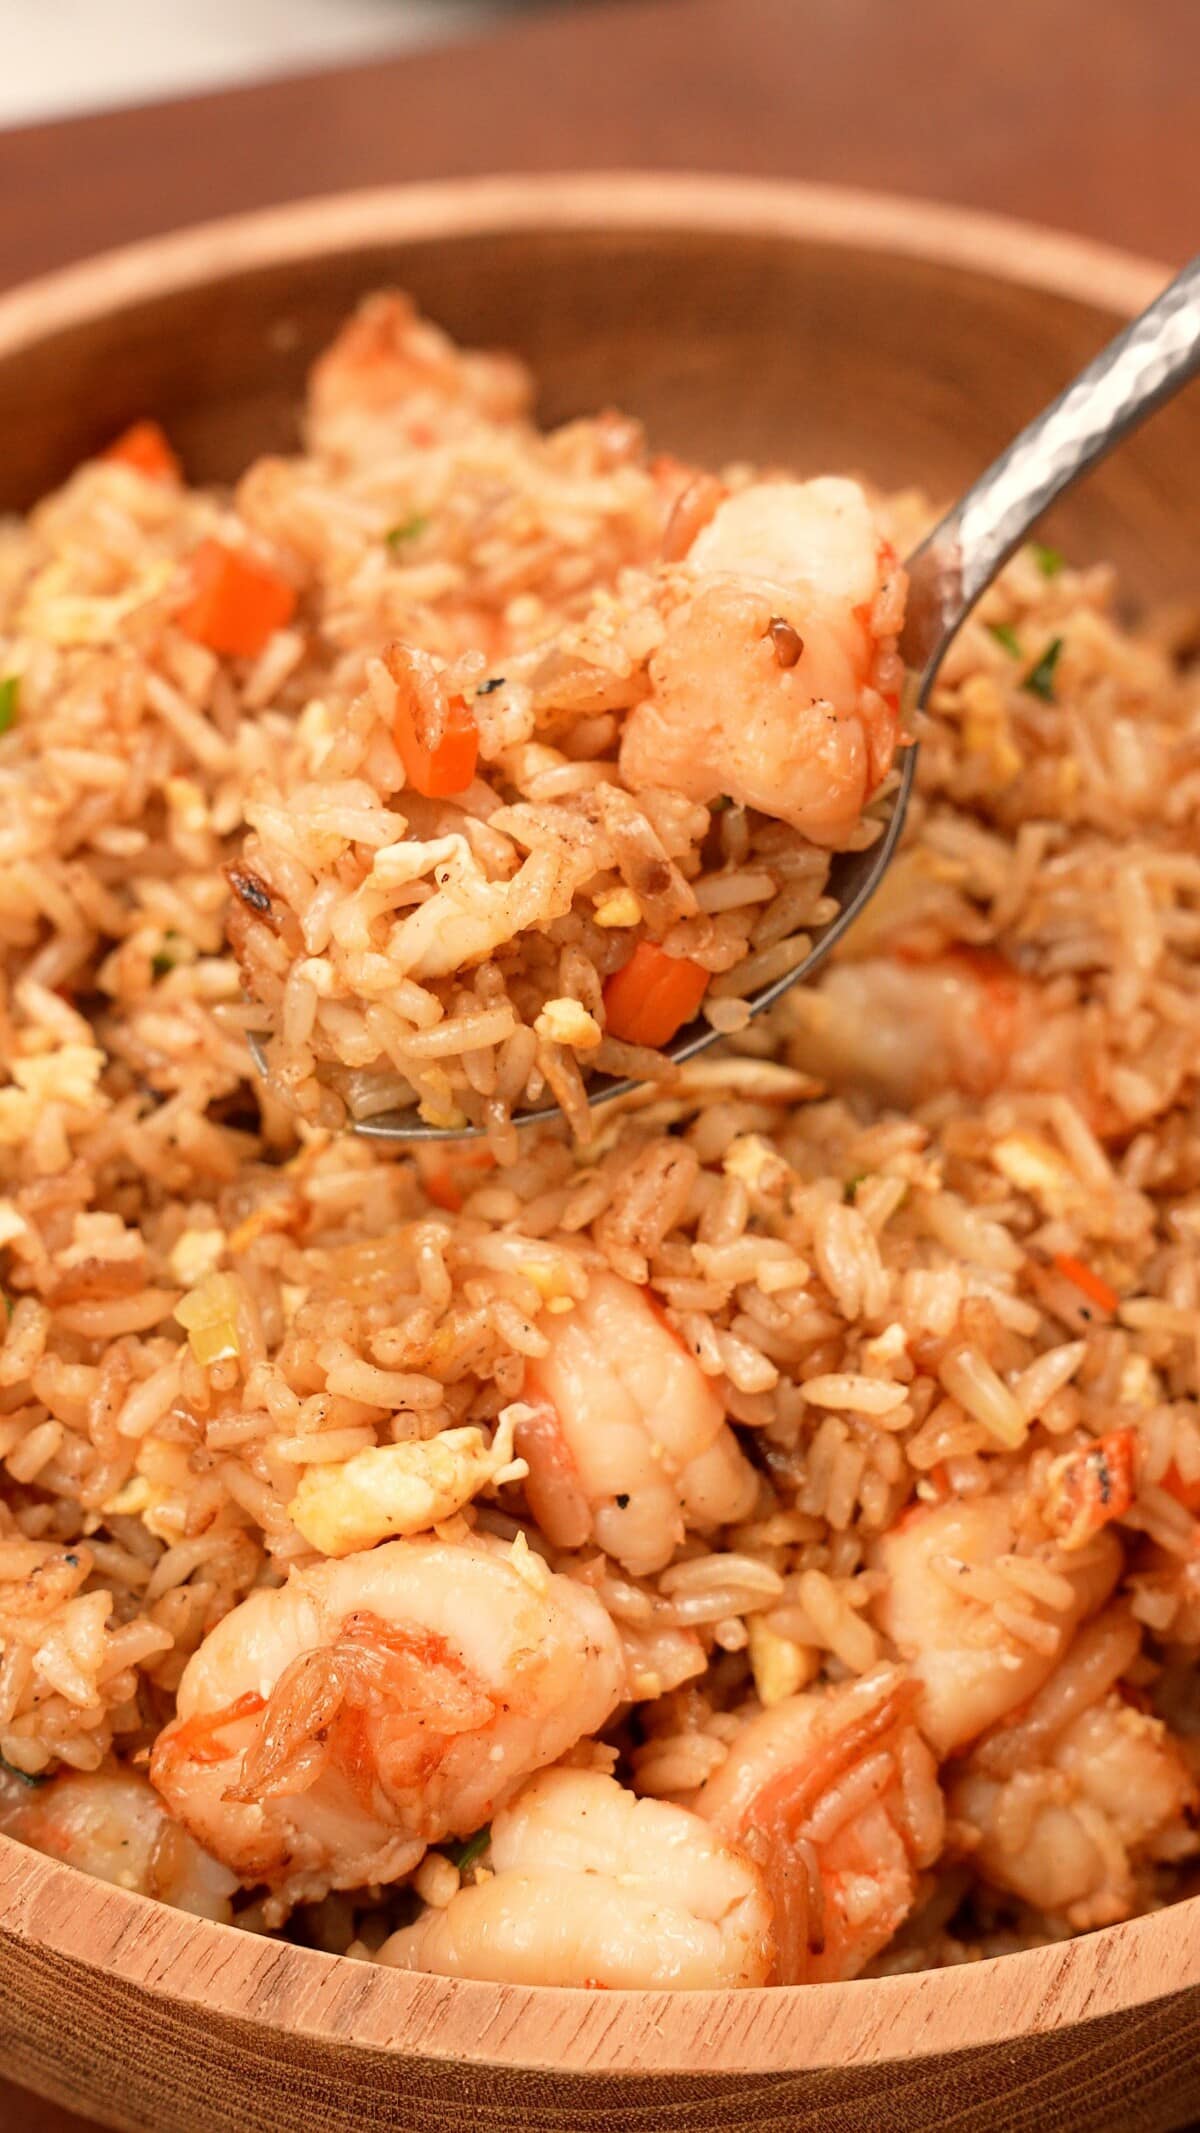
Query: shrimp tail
{"type": "Point", "coordinates": [317, 1709]}
{"type": "Point", "coordinates": [291, 1747]}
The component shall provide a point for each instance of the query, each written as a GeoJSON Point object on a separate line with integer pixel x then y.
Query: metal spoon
{"type": "Point", "coordinates": [1142, 367]}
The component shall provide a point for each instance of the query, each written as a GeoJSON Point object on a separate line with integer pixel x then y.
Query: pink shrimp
{"type": "Point", "coordinates": [778, 681]}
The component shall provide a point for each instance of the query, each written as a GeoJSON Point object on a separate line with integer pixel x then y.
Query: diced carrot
{"type": "Point", "coordinates": [236, 603]}
{"type": "Point", "coordinates": [143, 446]}
{"type": "Point", "coordinates": [1089, 1488]}
{"type": "Point", "coordinates": [440, 1180]}
{"type": "Point", "coordinates": [1185, 1492]}
{"type": "Point", "coordinates": [442, 1190]}
{"type": "Point", "coordinates": [473, 1157]}
{"type": "Point", "coordinates": [653, 995]}
{"type": "Point", "coordinates": [1092, 1285]}
{"type": "Point", "coordinates": [442, 766]}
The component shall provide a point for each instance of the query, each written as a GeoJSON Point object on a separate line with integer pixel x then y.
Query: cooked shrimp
{"type": "Point", "coordinates": [627, 1442]}
{"type": "Point", "coordinates": [591, 1886]}
{"type": "Point", "coordinates": [835, 1795]}
{"type": "Point", "coordinates": [328, 1731]}
{"type": "Point", "coordinates": [978, 1643]}
{"type": "Point", "coordinates": [778, 680]}
{"type": "Point", "coordinates": [387, 354]}
{"type": "Point", "coordinates": [1068, 1838]}
{"type": "Point", "coordinates": [904, 1031]}
{"type": "Point", "coordinates": [1064, 1806]}
{"type": "Point", "coordinates": [111, 1823]}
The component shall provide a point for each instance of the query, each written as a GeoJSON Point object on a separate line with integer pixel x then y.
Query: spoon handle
{"type": "Point", "coordinates": [1142, 367]}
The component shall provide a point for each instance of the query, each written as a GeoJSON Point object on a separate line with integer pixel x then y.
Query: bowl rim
{"type": "Point", "coordinates": [279, 1987]}
{"type": "Point", "coordinates": [994, 246]}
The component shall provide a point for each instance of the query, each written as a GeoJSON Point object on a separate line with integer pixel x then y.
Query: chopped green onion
{"type": "Point", "coordinates": [1005, 634]}
{"type": "Point", "coordinates": [464, 1855]}
{"type": "Point", "coordinates": [406, 530]}
{"type": "Point", "coordinates": [850, 1188]}
{"type": "Point", "coordinates": [1040, 679]}
{"type": "Point", "coordinates": [8, 702]}
{"type": "Point", "coordinates": [27, 1777]}
{"type": "Point", "coordinates": [165, 960]}
{"type": "Point", "coordinates": [1049, 560]}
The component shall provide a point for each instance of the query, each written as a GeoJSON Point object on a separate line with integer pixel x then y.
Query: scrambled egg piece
{"type": "Point", "coordinates": [393, 1490]}
{"type": "Point", "coordinates": [1035, 1167]}
{"type": "Point", "coordinates": [619, 907]}
{"type": "Point", "coordinates": [759, 1167]}
{"type": "Point", "coordinates": [209, 1316]}
{"type": "Point", "coordinates": [55, 608]}
{"type": "Point", "coordinates": [70, 1075]}
{"type": "Point", "coordinates": [195, 1253]}
{"type": "Point", "coordinates": [779, 1666]}
{"type": "Point", "coordinates": [158, 1492]}
{"type": "Point", "coordinates": [986, 729]}
{"type": "Point", "coordinates": [187, 803]}
{"type": "Point", "coordinates": [567, 1021]}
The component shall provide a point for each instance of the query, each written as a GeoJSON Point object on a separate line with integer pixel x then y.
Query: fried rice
{"type": "Point", "coordinates": [526, 843]}
{"type": "Point", "coordinates": [887, 1313]}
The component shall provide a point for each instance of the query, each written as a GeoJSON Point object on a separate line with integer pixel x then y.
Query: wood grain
{"type": "Point", "coordinates": [1080, 113]}
{"type": "Point", "coordinates": [671, 297]}
{"type": "Point", "coordinates": [177, 2027]}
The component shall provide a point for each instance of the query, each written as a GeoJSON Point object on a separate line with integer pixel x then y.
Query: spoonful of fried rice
{"type": "Point", "coordinates": [632, 755]}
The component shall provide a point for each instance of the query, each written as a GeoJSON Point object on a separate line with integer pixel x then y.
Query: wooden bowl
{"type": "Point", "coordinates": [827, 329]}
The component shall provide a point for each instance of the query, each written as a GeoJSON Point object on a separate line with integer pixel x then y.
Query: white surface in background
{"type": "Point", "coordinates": [58, 57]}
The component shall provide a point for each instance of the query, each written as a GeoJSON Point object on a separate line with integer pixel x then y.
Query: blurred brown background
{"type": "Point", "coordinates": [1080, 113]}
{"type": "Point", "coordinates": [1083, 114]}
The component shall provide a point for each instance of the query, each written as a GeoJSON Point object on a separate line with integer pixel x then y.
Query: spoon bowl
{"type": "Point", "coordinates": [853, 880]}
